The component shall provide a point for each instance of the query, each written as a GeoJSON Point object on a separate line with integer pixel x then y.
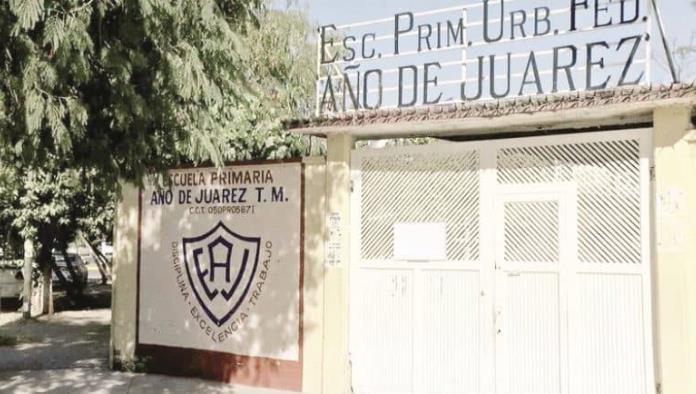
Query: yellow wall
{"type": "Point", "coordinates": [315, 204]}
{"type": "Point", "coordinates": [336, 368]}
{"type": "Point", "coordinates": [326, 365]}
{"type": "Point", "coordinates": [123, 297]}
{"type": "Point", "coordinates": [674, 250]}
{"type": "Point", "coordinates": [123, 327]}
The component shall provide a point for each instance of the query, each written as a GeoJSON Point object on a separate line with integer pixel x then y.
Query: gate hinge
{"type": "Point", "coordinates": [652, 173]}
{"type": "Point", "coordinates": [658, 388]}
{"type": "Point", "coordinates": [351, 186]}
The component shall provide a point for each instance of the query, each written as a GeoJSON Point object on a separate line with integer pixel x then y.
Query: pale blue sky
{"type": "Point", "coordinates": [679, 17]}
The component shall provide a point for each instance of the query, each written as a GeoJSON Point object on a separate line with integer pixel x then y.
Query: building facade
{"type": "Point", "coordinates": [539, 245]}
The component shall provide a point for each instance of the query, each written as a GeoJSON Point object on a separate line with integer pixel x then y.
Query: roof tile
{"type": "Point", "coordinates": [490, 109]}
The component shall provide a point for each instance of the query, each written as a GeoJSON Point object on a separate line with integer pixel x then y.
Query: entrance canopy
{"type": "Point", "coordinates": [578, 110]}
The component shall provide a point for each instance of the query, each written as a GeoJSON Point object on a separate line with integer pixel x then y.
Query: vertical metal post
{"type": "Point", "coordinates": [27, 272]}
{"type": "Point", "coordinates": [665, 44]}
{"type": "Point", "coordinates": [317, 110]}
{"type": "Point", "coordinates": [465, 40]}
{"type": "Point", "coordinates": [648, 45]}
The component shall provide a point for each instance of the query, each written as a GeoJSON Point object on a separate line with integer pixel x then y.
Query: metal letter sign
{"type": "Point", "coordinates": [487, 49]}
{"type": "Point", "coordinates": [220, 265]}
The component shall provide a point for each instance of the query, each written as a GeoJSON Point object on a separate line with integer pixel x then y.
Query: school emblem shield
{"type": "Point", "coordinates": [221, 265]}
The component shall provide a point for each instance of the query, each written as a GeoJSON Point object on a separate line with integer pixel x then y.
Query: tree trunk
{"type": "Point", "coordinates": [27, 272]}
{"type": "Point", "coordinates": [47, 291]}
{"type": "Point", "coordinates": [63, 281]}
{"type": "Point", "coordinates": [97, 261]}
{"type": "Point", "coordinates": [76, 285]}
{"type": "Point", "coordinates": [102, 263]}
{"type": "Point", "coordinates": [104, 259]}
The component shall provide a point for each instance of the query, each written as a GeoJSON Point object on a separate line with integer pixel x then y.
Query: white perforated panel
{"type": "Point", "coordinates": [544, 284]}
{"type": "Point", "coordinates": [607, 177]}
{"type": "Point", "coordinates": [420, 188]}
{"type": "Point", "coordinates": [531, 231]}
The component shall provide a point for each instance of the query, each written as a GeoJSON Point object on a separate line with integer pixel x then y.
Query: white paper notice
{"type": "Point", "coordinates": [420, 241]}
{"type": "Point", "coordinates": [333, 244]}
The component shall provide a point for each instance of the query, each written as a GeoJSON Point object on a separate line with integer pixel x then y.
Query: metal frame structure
{"type": "Point", "coordinates": [490, 271]}
{"type": "Point", "coordinates": [335, 69]}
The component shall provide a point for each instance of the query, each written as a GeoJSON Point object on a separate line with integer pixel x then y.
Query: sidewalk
{"type": "Point", "coordinates": [72, 339]}
{"type": "Point", "coordinates": [68, 353]}
{"type": "Point", "coordinates": [89, 380]}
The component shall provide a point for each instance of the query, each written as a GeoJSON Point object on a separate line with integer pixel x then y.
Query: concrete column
{"type": "Point", "coordinates": [314, 220]}
{"type": "Point", "coordinates": [336, 366]}
{"type": "Point", "coordinates": [674, 250]}
{"type": "Point", "coordinates": [124, 277]}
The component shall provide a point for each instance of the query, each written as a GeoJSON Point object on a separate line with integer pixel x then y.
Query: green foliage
{"type": "Point", "coordinates": [120, 85]}
{"type": "Point", "coordinates": [279, 69]}
{"type": "Point", "coordinates": [128, 87]}
{"type": "Point", "coordinates": [51, 206]}
{"type": "Point", "coordinates": [97, 91]}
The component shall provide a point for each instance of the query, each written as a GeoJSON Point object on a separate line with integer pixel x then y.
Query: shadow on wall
{"type": "Point", "coordinates": [256, 371]}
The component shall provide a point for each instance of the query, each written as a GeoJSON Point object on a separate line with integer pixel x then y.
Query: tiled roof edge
{"type": "Point", "coordinates": [504, 107]}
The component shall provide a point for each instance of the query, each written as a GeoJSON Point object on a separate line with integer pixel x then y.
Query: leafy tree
{"type": "Point", "coordinates": [96, 91]}
{"type": "Point", "coordinates": [122, 86]}
{"type": "Point", "coordinates": [280, 71]}
{"type": "Point", "coordinates": [50, 207]}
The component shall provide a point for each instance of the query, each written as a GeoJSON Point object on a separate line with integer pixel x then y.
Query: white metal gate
{"type": "Point", "coordinates": [517, 266]}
